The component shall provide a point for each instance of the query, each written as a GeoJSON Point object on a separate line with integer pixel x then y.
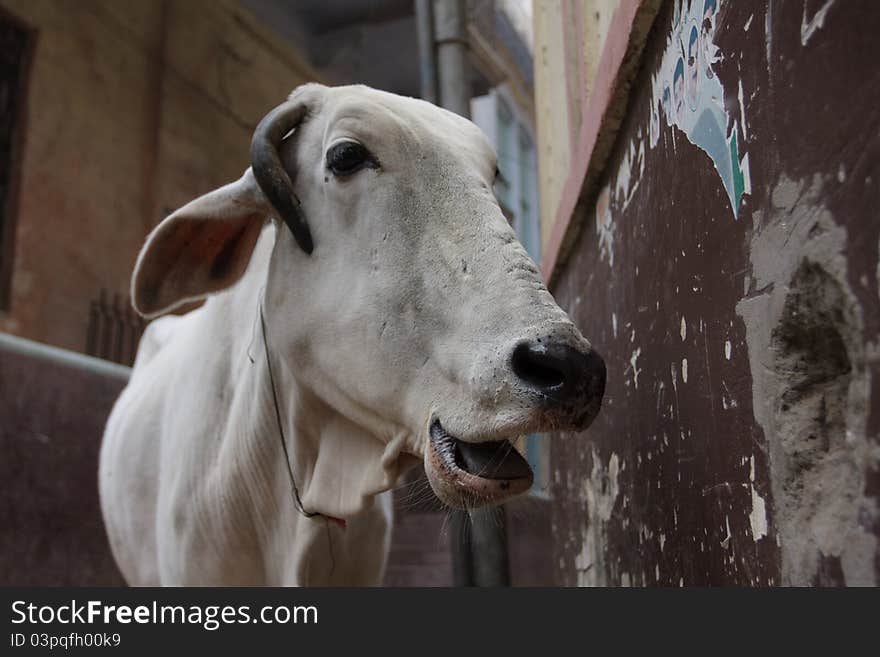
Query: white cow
{"type": "Point", "coordinates": [369, 307]}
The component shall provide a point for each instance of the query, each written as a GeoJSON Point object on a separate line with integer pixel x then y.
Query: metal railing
{"type": "Point", "coordinates": [114, 329]}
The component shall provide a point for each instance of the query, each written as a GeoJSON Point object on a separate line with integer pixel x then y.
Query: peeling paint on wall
{"type": "Point", "coordinates": [600, 492]}
{"type": "Point", "coordinates": [605, 227]}
{"type": "Point", "coordinates": [629, 174]}
{"type": "Point", "coordinates": [808, 28]}
{"type": "Point", "coordinates": [633, 363]}
{"type": "Point", "coordinates": [758, 515]}
{"type": "Point", "coordinates": [626, 183]}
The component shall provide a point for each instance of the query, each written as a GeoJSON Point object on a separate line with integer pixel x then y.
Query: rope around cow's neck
{"type": "Point", "coordinates": [294, 491]}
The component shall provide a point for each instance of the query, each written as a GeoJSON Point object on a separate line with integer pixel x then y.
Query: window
{"type": "Point", "coordinates": [15, 50]}
{"type": "Point", "coordinates": [506, 186]}
{"type": "Point", "coordinates": [529, 229]}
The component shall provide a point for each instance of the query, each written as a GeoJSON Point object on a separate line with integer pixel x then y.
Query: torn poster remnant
{"type": "Point", "coordinates": [687, 94]}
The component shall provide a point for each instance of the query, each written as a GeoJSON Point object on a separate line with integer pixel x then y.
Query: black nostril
{"type": "Point", "coordinates": [559, 371]}
{"type": "Point", "coordinates": [540, 366]}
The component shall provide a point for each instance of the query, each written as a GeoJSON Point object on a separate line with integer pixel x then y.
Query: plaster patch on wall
{"type": "Point", "coordinates": [742, 111]}
{"type": "Point", "coordinates": [746, 174]}
{"type": "Point", "coordinates": [621, 192]}
{"type": "Point", "coordinates": [758, 516]}
{"type": "Point", "coordinates": [725, 543]}
{"type": "Point", "coordinates": [687, 94]}
{"type": "Point", "coordinates": [727, 400]}
{"type": "Point", "coordinates": [810, 388]}
{"type": "Point", "coordinates": [815, 23]}
{"type": "Point", "coordinates": [605, 226]}
{"type": "Point", "coordinates": [635, 369]}
{"type": "Point", "coordinates": [629, 173]}
{"type": "Point", "coordinates": [600, 492]}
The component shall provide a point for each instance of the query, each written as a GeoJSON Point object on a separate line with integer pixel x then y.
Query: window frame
{"type": "Point", "coordinates": [10, 208]}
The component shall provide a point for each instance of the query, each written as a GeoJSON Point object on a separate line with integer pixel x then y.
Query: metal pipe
{"type": "Point", "coordinates": [63, 357]}
{"type": "Point", "coordinates": [479, 545]}
{"type": "Point", "coordinates": [427, 52]}
{"type": "Point", "coordinates": [452, 64]}
{"type": "Point", "coordinates": [491, 565]}
{"type": "Point", "coordinates": [451, 72]}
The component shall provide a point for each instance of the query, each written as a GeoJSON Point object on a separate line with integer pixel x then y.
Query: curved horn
{"type": "Point", "coordinates": [270, 173]}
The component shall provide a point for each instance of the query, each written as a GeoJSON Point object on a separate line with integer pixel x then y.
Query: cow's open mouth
{"type": "Point", "coordinates": [477, 472]}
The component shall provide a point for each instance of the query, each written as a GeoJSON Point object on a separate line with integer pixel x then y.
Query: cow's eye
{"type": "Point", "coordinates": [347, 157]}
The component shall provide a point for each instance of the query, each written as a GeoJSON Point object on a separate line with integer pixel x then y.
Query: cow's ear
{"type": "Point", "coordinates": [203, 247]}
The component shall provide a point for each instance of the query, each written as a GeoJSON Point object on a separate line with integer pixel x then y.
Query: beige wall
{"type": "Point", "coordinates": [565, 68]}
{"type": "Point", "coordinates": [133, 108]}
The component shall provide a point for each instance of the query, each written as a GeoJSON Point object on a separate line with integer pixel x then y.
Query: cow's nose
{"type": "Point", "coordinates": [560, 372]}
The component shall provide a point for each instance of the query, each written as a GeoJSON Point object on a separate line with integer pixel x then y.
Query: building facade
{"type": "Point", "coordinates": [130, 110]}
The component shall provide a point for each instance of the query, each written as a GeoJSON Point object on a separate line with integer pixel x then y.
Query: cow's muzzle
{"type": "Point", "coordinates": [557, 383]}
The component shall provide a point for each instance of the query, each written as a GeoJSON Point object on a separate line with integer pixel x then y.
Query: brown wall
{"type": "Point", "coordinates": [738, 443]}
{"type": "Point", "coordinates": [134, 108]}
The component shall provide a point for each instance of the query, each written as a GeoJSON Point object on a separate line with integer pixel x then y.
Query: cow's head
{"type": "Point", "coordinates": [396, 285]}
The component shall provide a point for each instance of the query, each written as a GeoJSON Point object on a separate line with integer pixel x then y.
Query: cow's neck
{"type": "Point", "coordinates": [337, 466]}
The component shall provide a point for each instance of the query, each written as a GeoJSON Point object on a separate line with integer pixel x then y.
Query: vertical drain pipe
{"type": "Point", "coordinates": [427, 53]}
{"type": "Point", "coordinates": [452, 45]}
{"type": "Point", "coordinates": [479, 542]}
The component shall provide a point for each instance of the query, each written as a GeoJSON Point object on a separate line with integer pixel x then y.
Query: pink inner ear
{"type": "Point", "coordinates": [190, 258]}
{"type": "Point", "coordinates": [227, 251]}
